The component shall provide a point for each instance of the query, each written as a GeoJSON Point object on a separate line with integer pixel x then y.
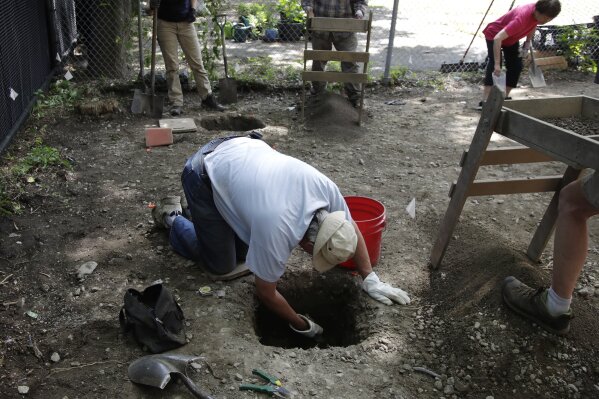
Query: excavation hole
{"type": "Point", "coordinates": [334, 302]}
{"type": "Point", "coordinates": [238, 123]}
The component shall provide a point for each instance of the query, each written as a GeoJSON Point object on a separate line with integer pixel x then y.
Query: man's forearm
{"type": "Point", "coordinates": [361, 258]}
{"type": "Point", "coordinates": [497, 52]}
{"type": "Point", "coordinates": [360, 5]}
{"type": "Point", "coordinates": [308, 5]}
{"type": "Point", "coordinates": [273, 300]}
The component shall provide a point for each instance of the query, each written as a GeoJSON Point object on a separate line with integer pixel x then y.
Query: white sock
{"type": "Point", "coordinates": [170, 219]}
{"type": "Point", "coordinates": [556, 305]}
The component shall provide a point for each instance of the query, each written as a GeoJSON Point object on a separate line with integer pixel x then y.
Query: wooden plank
{"type": "Point", "coordinates": [488, 119]}
{"type": "Point", "coordinates": [510, 155]}
{"type": "Point", "coordinates": [179, 125]}
{"type": "Point", "coordinates": [514, 186]}
{"type": "Point", "coordinates": [319, 76]}
{"type": "Point", "coordinates": [571, 148]}
{"type": "Point", "coordinates": [545, 228]}
{"type": "Point", "coordinates": [552, 107]}
{"type": "Point", "coordinates": [330, 55]}
{"type": "Point", "coordinates": [590, 108]}
{"type": "Point", "coordinates": [338, 24]}
{"type": "Point", "coordinates": [548, 63]}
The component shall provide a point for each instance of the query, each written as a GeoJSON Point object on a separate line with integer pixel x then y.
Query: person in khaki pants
{"type": "Point", "coordinates": [343, 41]}
{"type": "Point", "coordinates": [175, 27]}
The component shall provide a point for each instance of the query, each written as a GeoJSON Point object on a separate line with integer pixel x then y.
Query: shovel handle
{"type": "Point", "coordinates": [193, 388]}
{"type": "Point", "coordinates": [532, 58]}
{"type": "Point", "coordinates": [153, 60]}
{"type": "Point", "coordinates": [222, 39]}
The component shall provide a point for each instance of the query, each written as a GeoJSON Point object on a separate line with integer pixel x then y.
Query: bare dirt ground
{"type": "Point", "coordinates": [456, 325]}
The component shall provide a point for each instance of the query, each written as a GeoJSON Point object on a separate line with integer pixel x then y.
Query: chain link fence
{"type": "Point", "coordinates": [430, 36]}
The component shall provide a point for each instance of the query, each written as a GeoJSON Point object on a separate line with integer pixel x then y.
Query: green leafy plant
{"type": "Point", "coordinates": [62, 94]}
{"type": "Point", "coordinates": [291, 11]}
{"type": "Point", "coordinates": [576, 43]}
{"type": "Point", "coordinates": [39, 158]}
{"type": "Point", "coordinates": [7, 205]}
{"type": "Point", "coordinates": [256, 13]}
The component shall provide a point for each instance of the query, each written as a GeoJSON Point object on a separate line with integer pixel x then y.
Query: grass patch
{"type": "Point", "coordinates": [404, 77]}
{"type": "Point", "coordinates": [20, 172]}
{"type": "Point", "coordinates": [261, 72]}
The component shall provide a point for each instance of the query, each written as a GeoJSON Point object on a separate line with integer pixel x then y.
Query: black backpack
{"type": "Point", "coordinates": [153, 318]}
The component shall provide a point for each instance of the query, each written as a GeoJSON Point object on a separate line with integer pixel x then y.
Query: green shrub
{"type": "Point", "coordinates": [577, 43]}
{"type": "Point", "coordinates": [291, 11]}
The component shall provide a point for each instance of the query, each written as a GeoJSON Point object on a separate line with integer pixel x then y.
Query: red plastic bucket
{"type": "Point", "coordinates": [369, 215]}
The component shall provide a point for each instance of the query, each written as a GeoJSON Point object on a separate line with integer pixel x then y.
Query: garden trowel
{"type": "Point", "coordinates": [536, 74]}
{"type": "Point", "coordinates": [156, 371]}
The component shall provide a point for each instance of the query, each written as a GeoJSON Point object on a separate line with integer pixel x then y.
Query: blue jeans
{"type": "Point", "coordinates": [208, 239]}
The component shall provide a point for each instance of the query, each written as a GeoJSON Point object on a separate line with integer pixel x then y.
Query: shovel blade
{"type": "Point", "coordinates": [147, 104]}
{"type": "Point", "coordinates": [536, 77]}
{"type": "Point", "coordinates": [140, 102]}
{"type": "Point", "coordinates": [227, 90]}
{"type": "Point", "coordinates": [155, 370]}
{"type": "Point", "coordinates": [157, 106]}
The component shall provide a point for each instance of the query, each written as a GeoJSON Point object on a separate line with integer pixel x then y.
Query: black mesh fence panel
{"type": "Point", "coordinates": [25, 61]}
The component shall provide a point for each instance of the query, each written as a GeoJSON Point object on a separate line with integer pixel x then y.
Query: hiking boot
{"type": "Point", "coordinates": [480, 105]}
{"type": "Point", "coordinates": [532, 304]}
{"type": "Point", "coordinates": [169, 206]}
{"type": "Point", "coordinates": [211, 103]}
{"type": "Point", "coordinates": [176, 110]}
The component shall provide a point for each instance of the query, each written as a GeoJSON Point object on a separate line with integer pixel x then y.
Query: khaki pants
{"type": "Point", "coordinates": [342, 41]}
{"type": "Point", "coordinates": [170, 36]}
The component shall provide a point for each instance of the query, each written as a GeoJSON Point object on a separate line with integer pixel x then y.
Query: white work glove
{"type": "Point", "coordinates": [383, 292]}
{"type": "Point", "coordinates": [313, 330]}
{"type": "Point", "coordinates": [359, 14]}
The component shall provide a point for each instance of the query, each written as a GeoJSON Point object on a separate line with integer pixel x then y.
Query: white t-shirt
{"type": "Point", "coordinates": [268, 199]}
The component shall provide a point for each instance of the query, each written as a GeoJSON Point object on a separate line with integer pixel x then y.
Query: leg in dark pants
{"type": "Point", "coordinates": [209, 238]}
{"type": "Point", "coordinates": [513, 65]}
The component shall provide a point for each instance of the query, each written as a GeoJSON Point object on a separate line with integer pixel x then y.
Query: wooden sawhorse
{"type": "Point", "coordinates": [542, 142]}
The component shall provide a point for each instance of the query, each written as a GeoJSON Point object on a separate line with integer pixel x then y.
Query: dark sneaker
{"type": "Point", "coordinates": [176, 110]}
{"type": "Point", "coordinates": [480, 106]}
{"type": "Point", "coordinates": [211, 103]}
{"type": "Point", "coordinates": [185, 207]}
{"type": "Point", "coordinates": [508, 98]}
{"type": "Point", "coordinates": [316, 90]}
{"type": "Point", "coordinates": [168, 206]}
{"type": "Point", "coordinates": [532, 304]}
{"type": "Point", "coordinates": [355, 102]}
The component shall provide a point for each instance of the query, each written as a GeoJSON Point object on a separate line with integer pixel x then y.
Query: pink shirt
{"type": "Point", "coordinates": [517, 23]}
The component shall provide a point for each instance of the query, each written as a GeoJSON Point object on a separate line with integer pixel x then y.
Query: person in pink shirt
{"type": "Point", "coordinates": [505, 34]}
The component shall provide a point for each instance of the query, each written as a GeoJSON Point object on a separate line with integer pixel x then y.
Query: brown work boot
{"type": "Point", "coordinates": [211, 103]}
{"type": "Point", "coordinates": [532, 304]}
